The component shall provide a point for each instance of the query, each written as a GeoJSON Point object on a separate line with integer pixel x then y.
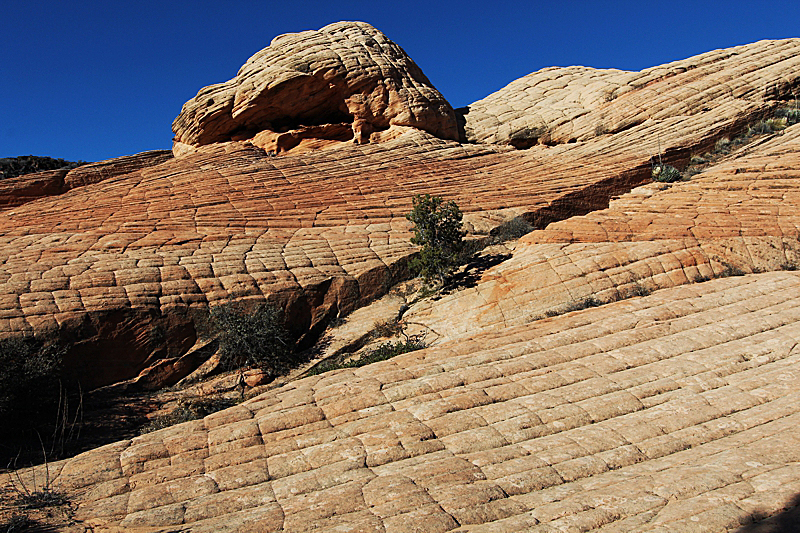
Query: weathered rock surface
{"type": "Point", "coordinates": [319, 233]}
{"type": "Point", "coordinates": [562, 105]}
{"type": "Point", "coordinates": [672, 412]}
{"type": "Point", "coordinates": [739, 216]}
{"type": "Point", "coordinates": [23, 189]}
{"type": "Point", "coordinates": [311, 84]}
{"type": "Point", "coordinates": [110, 168]}
{"type": "Point", "coordinates": [669, 412]}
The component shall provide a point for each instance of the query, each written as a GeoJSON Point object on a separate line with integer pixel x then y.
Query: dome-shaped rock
{"type": "Point", "coordinates": [344, 81]}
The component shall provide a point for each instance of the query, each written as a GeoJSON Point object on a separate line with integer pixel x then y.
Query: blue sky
{"type": "Point", "coordinates": [94, 80]}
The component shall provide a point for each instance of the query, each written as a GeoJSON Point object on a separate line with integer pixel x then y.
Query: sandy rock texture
{"type": "Point", "coordinates": [672, 412]}
{"type": "Point", "coordinates": [131, 259]}
{"type": "Point", "coordinates": [23, 189]}
{"type": "Point", "coordinates": [562, 105]}
{"type": "Point", "coordinates": [739, 216]}
{"type": "Point", "coordinates": [342, 82]}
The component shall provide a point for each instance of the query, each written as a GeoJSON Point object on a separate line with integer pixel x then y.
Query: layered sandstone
{"type": "Point", "coordinates": [738, 216]}
{"type": "Point", "coordinates": [344, 81]}
{"type": "Point", "coordinates": [564, 105]}
{"type": "Point", "coordinates": [318, 233]}
{"type": "Point", "coordinates": [23, 189]}
{"type": "Point", "coordinates": [668, 412]}
{"type": "Point", "coordinates": [664, 413]}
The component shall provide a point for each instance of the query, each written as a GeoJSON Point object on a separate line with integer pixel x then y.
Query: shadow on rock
{"type": "Point", "coordinates": [472, 272]}
{"type": "Point", "coordinates": [787, 521]}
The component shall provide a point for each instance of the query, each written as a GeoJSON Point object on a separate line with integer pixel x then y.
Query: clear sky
{"type": "Point", "coordinates": [94, 80]}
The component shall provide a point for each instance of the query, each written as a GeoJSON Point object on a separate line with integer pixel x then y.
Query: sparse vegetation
{"type": "Point", "coordinates": [30, 385]}
{"type": "Point", "coordinates": [385, 351]}
{"type": "Point", "coordinates": [252, 337]}
{"type": "Point", "coordinates": [511, 230]}
{"type": "Point", "coordinates": [639, 289]}
{"type": "Point", "coordinates": [387, 328]}
{"type": "Point", "coordinates": [770, 125]}
{"type": "Point", "coordinates": [191, 409]}
{"type": "Point", "coordinates": [722, 146]}
{"type": "Point", "coordinates": [790, 114]}
{"type": "Point", "coordinates": [437, 229]}
{"type": "Point", "coordinates": [576, 305]}
{"type": "Point", "coordinates": [526, 137]}
{"type": "Point", "coordinates": [11, 167]}
{"type": "Point", "coordinates": [730, 270]}
{"type": "Point", "coordinates": [665, 173]}
{"type": "Point", "coordinates": [18, 523]}
{"type": "Point", "coordinates": [28, 491]}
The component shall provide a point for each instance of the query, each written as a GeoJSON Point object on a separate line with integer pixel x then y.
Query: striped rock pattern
{"type": "Point", "coordinates": [319, 233]}
{"type": "Point", "coordinates": [345, 72]}
{"type": "Point", "coordinates": [739, 216]}
{"type": "Point", "coordinates": [673, 412]}
{"type": "Point", "coordinates": [29, 187]}
{"type": "Point", "coordinates": [561, 105]}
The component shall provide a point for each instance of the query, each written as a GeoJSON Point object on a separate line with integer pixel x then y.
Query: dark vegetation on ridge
{"type": "Point", "coordinates": [11, 167]}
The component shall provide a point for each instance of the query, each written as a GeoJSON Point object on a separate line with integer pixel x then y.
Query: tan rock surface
{"type": "Point", "coordinates": [675, 411]}
{"type": "Point", "coordinates": [739, 215]}
{"type": "Point", "coordinates": [319, 233]}
{"type": "Point", "coordinates": [23, 189]}
{"type": "Point", "coordinates": [561, 105]}
{"type": "Point", "coordinates": [345, 73]}
{"type": "Point", "coordinates": [664, 413]}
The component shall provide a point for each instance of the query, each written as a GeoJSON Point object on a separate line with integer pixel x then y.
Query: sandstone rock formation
{"type": "Point", "coordinates": [310, 84]}
{"type": "Point", "coordinates": [23, 189]}
{"type": "Point", "coordinates": [563, 105]}
{"type": "Point", "coordinates": [668, 412]}
{"type": "Point", "coordinates": [739, 216]}
{"type": "Point", "coordinates": [664, 413]}
{"type": "Point", "coordinates": [319, 233]}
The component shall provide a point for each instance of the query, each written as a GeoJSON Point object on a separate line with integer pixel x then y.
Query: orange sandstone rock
{"type": "Point", "coordinates": [659, 413]}
{"type": "Point", "coordinates": [347, 73]}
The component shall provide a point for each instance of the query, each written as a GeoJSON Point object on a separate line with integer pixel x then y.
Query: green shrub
{"type": "Point", "coordinates": [11, 167]}
{"type": "Point", "coordinates": [666, 173]}
{"type": "Point", "coordinates": [792, 115]}
{"type": "Point", "coordinates": [437, 228]}
{"type": "Point", "coordinates": [252, 338]}
{"type": "Point", "coordinates": [722, 146]}
{"type": "Point", "coordinates": [770, 125]}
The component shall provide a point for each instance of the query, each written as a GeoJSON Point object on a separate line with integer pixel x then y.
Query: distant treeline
{"type": "Point", "coordinates": [11, 167]}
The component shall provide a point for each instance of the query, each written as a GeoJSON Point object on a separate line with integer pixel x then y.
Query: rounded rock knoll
{"type": "Point", "coordinates": [345, 81]}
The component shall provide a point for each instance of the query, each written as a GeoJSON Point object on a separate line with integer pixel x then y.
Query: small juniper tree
{"type": "Point", "coordinates": [437, 228]}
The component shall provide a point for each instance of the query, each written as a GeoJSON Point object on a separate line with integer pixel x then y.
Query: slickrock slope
{"type": "Point", "coordinates": [23, 189]}
{"type": "Point", "coordinates": [318, 233]}
{"type": "Point", "coordinates": [740, 215]}
{"type": "Point", "coordinates": [673, 412]}
{"type": "Point", "coordinates": [561, 105]}
{"type": "Point", "coordinates": [312, 83]}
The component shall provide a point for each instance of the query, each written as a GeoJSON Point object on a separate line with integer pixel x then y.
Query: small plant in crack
{"type": "Point", "coordinates": [730, 270]}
